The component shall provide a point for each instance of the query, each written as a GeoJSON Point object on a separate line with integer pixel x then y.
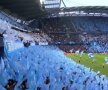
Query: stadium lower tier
{"type": "Point", "coordinates": [86, 42]}
{"type": "Point", "coordinates": [47, 68]}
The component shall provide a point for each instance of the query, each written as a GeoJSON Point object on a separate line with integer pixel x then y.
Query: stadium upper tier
{"type": "Point", "coordinates": [91, 30]}
{"type": "Point", "coordinates": [76, 24]}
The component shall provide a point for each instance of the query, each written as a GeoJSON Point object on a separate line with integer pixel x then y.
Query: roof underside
{"type": "Point", "coordinates": [30, 9]}
{"type": "Point", "coordinates": [27, 9]}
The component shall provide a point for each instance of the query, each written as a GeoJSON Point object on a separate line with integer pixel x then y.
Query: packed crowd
{"type": "Point", "coordinates": [13, 20]}
{"type": "Point", "coordinates": [91, 24]}
{"type": "Point", "coordinates": [59, 25]}
{"type": "Point", "coordinates": [47, 68]}
{"type": "Point", "coordinates": [64, 30]}
{"type": "Point", "coordinates": [98, 43]}
{"type": "Point", "coordinates": [13, 38]}
{"type": "Point", "coordinates": [76, 24]}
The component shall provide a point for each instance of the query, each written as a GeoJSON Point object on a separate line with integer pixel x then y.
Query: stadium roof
{"type": "Point", "coordinates": [27, 9]}
{"type": "Point", "coordinates": [80, 11]}
{"type": "Point", "coordinates": [55, 7]}
{"type": "Point", "coordinates": [74, 3]}
{"type": "Point", "coordinates": [88, 9]}
{"type": "Point", "coordinates": [30, 9]}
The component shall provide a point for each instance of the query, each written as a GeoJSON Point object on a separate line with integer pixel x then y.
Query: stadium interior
{"type": "Point", "coordinates": [45, 45]}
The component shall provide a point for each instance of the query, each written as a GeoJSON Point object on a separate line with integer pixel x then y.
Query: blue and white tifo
{"type": "Point", "coordinates": [35, 39]}
{"type": "Point", "coordinates": [47, 68]}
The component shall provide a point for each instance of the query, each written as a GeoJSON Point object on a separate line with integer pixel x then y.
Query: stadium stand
{"type": "Point", "coordinates": [33, 60]}
{"type": "Point", "coordinates": [79, 29]}
{"type": "Point", "coordinates": [14, 21]}
{"type": "Point", "coordinates": [49, 70]}
{"type": "Point", "coordinates": [16, 33]}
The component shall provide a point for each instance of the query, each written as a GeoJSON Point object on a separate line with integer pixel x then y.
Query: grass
{"type": "Point", "coordinates": [87, 62]}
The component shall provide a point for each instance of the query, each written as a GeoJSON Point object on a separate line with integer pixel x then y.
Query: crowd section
{"type": "Point", "coordinates": [72, 48]}
{"type": "Point", "coordinates": [58, 25]}
{"type": "Point", "coordinates": [91, 24]}
{"type": "Point", "coordinates": [91, 32]}
{"type": "Point", "coordinates": [13, 38]}
{"type": "Point", "coordinates": [65, 38]}
{"type": "Point", "coordinates": [47, 68]}
{"type": "Point", "coordinates": [14, 21]}
{"type": "Point", "coordinates": [98, 43]}
{"type": "Point", "coordinates": [36, 67]}
{"type": "Point", "coordinates": [78, 24]}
